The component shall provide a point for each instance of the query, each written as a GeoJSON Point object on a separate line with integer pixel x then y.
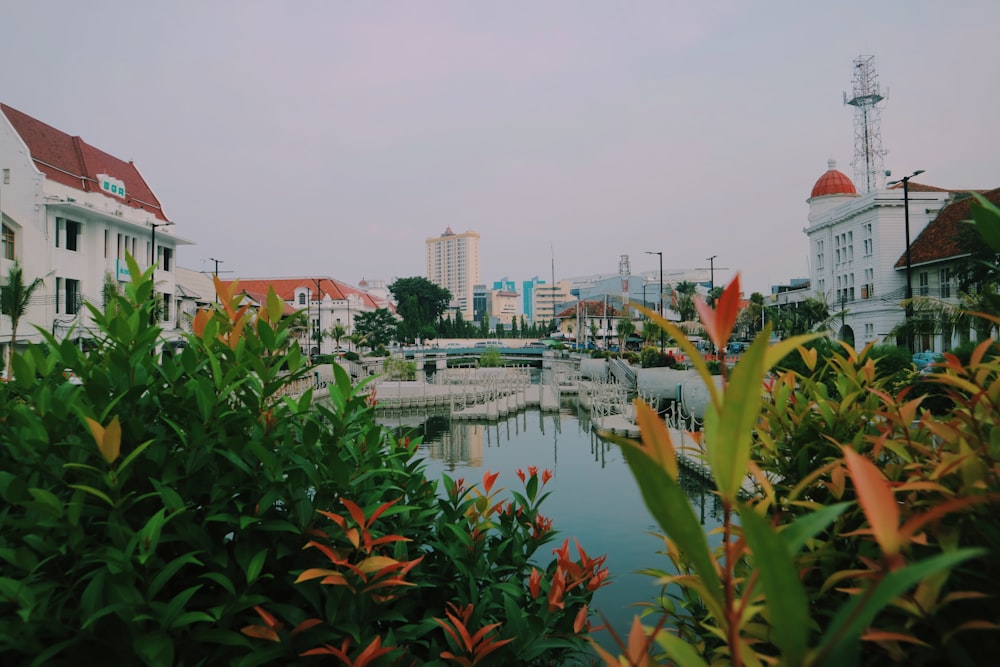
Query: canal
{"type": "Point", "coordinates": [594, 497]}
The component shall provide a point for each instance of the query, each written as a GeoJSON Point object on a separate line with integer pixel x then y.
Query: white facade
{"type": "Point", "coordinates": [453, 263]}
{"type": "Point", "coordinates": [73, 237]}
{"type": "Point", "coordinates": [546, 298]}
{"type": "Point", "coordinates": [854, 243]}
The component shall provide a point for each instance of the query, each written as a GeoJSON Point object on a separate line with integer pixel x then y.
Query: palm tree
{"type": "Point", "coordinates": [15, 299]}
{"type": "Point", "coordinates": [625, 329]}
{"type": "Point", "coordinates": [336, 332]}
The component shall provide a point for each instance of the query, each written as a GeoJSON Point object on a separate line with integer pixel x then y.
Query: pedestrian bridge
{"type": "Point", "coordinates": [509, 353]}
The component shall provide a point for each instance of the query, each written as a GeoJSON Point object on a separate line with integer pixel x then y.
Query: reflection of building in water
{"type": "Point", "coordinates": [462, 443]}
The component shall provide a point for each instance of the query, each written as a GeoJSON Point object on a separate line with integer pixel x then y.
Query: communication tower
{"type": "Point", "coordinates": [624, 270]}
{"type": "Point", "coordinates": [865, 98]}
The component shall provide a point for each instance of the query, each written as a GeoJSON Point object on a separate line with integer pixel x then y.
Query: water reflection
{"type": "Point", "coordinates": [593, 498]}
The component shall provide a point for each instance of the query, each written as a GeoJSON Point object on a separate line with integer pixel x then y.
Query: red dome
{"type": "Point", "coordinates": [833, 182]}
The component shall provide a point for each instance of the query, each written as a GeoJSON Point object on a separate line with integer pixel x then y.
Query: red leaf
{"type": "Point", "coordinates": [719, 322]}
{"type": "Point", "coordinates": [876, 500]}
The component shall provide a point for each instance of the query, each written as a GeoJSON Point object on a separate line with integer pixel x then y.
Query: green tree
{"type": "Point", "coordinates": [684, 305]}
{"type": "Point", "coordinates": [750, 318]}
{"type": "Point", "coordinates": [15, 299]}
{"type": "Point", "coordinates": [420, 303]}
{"type": "Point", "coordinates": [376, 327]}
{"type": "Point", "coordinates": [625, 329]}
{"type": "Point", "coordinates": [336, 332]}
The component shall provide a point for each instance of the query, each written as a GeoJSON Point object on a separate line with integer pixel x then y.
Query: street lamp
{"type": "Point", "coordinates": [660, 253]}
{"type": "Point", "coordinates": [152, 239]}
{"type": "Point", "coordinates": [319, 317]}
{"type": "Point", "coordinates": [909, 283]}
{"type": "Point", "coordinates": [711, 274]}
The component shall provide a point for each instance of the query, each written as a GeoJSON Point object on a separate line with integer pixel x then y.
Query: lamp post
{"type": "Point", "coordinates": [909, 283]}
{"type": "Point", "coordinates": [711, 274]}
{"type": "Point", "coordinates": [319, 316]}
{"type": "Point", "coordinates": [660, 253]}
{"type": "Point", "coordinates": [152, 239]}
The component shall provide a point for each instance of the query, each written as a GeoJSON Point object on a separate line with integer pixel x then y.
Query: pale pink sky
{"type": "Point", "coordinates": [333, 138]}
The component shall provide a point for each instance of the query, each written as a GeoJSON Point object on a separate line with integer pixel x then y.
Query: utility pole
{"type": "Point", "coordinates": [909, 282]}
{"type": "Point", "coordinates": [711, 273]}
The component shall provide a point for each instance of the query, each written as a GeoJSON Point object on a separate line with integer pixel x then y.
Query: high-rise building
{"type": "Point", "coordinates": [453, 263]}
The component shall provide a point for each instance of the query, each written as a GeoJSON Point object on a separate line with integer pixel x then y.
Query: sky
{"type": "Point", "coordinates": [334, 137]}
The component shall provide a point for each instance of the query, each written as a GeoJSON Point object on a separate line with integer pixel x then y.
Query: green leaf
{"type": "Point", "coordinates": [986, 218]}
{"type": "Point", "coordinates": [679, 650]}
{"type": "Point", "coordinates": [669, 505]}
{"type": "Point", "coordinates": [841, 641]}
{"type": "Point", "coordinates": [133, 454]}
{"type": "Point", "coordinates": [168, 571]}
{"type": "Point", "coordinates": [800, 531]}
{"type": "Point", "coordinates": [155, 649]}
{"type": "Point", "coordinates": [222, 580]}
{"type": "Point", "coordinates": [729, 431]}
{"type": "Point", "coordinates": [46, 500]}
{"type": "Point", "coordinates": [175, 607]}
{"type": "Point", "coordinates": [94, 492]}
{"type": "Point", "coordinates": [787, 603]}
{"type": "Point", "coordinates": [256, 565]}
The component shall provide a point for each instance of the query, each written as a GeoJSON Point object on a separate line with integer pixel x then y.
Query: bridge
{"type": "Point", "coordinates": [532, 353]}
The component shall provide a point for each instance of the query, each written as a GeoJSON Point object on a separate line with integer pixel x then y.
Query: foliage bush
{"type": "Point", "coordinates": [200, 510]}
{"type": "Point", "coordinates": [857, 529]}
{"type": "Point", "coordinates": [398, 368]}
{"type": "Point", "coordinates": [651, 357]}
{"type": "Point", "coordinates": [891, 362]}
{"type": "Point", "coordinates": [490, 358]}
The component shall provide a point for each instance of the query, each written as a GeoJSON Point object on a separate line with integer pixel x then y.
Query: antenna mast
{"type": "Point", "coordinates": [868, 152]}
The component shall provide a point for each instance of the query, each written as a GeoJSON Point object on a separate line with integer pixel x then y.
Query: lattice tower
{"type": "Point", "coordinates": [865, 98]}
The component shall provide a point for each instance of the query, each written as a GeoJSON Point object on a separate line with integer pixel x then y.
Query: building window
{"type": "Point", "coordinates": [8, 243]}
{"type": "Point", "coordinates": [72, 235]}
{"type": "Point", "coordinates": [167, 298]}
{"type": "Point", "coordinates": [302, 298]}
{"type": "Point", "coordinates": [923, 282]}
{"type": "Point", "coordinates": [944, 277]}
{"type": "Point", "coordinates": [167, 256]}
{"type": "Point", "coordinates": [72, 296]}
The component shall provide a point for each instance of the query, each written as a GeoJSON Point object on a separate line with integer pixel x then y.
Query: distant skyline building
{"type": "Point", "coordinates": [528, 297]}
{"type": "Point", "coordinates": [453, 263]}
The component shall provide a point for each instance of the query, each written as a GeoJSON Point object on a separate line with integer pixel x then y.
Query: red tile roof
{"type": "Point", "coordinates": [73, 162]}
{"type": "Point", "coordinates": [939, 240]}
{"type": "Point", "coordinates": [285, 289]}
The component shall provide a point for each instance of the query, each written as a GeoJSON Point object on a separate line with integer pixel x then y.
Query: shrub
{"type": "Point", "coordinates": [490, 358]}
{"type": "Point", "coordinates": [651, 357]}
{"type": "Point", "coordinates": [891, 362]}
{"type": "Point", "coordinates": [157, 514]}
{"type": "Point", "coordinates": [857, 529]}
{"type": "Point", "coordinates": [398, 368]}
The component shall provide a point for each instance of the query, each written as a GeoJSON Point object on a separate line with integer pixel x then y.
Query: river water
{"type": "Point", "coordinates": [594, 497]}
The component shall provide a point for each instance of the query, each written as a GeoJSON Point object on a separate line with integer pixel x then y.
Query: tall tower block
{"type": "Point", "coordinates": [865, 98]}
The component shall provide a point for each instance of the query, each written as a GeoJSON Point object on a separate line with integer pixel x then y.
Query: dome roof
{"type": "Point", "coordinates": [833, 182]}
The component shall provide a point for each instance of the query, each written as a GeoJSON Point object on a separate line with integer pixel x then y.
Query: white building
{"type": "Point", "coordinates": [70, 213]}
{"type": "Point", "coordinates": [326, 302]}
{"type": "Point", "coordinates": [547, 298]}
{"type": "Point", "coordinates": [855, 242]}
{"type": "Point", "coordinates": [453, 263]}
